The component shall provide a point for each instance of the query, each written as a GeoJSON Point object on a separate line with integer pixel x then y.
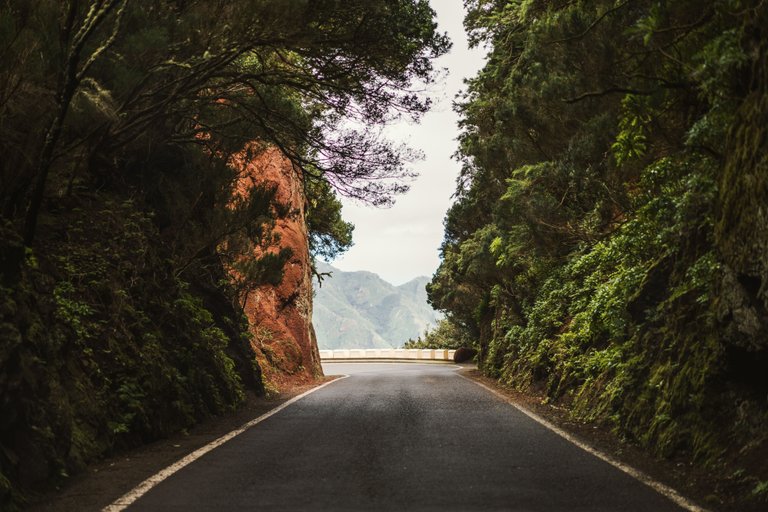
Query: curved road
{"type": "Point", "coordinates": [400, 436]}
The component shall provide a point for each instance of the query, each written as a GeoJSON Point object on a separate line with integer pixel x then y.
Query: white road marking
{"type": "Point", "coordinates": [659, 487]}
{"type": "Point", "coordinates": [140, 490]}
{"type": "Point", "coordinates": [137, 492]}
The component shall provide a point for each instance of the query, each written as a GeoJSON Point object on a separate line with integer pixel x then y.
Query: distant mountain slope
{"type": "Point", "coordinates": [361, 310]}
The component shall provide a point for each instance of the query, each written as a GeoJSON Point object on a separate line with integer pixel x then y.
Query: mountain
{"type": "Point", "coordinates": [361, 310]}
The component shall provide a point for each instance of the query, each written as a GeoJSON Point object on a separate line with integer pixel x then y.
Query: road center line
{"type": "Point", "coordinates": [140, 490]}
{"type": "Point", "coordinates": [657, 486]}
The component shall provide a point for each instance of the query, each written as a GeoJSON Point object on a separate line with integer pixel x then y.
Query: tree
{"type": "Point", "coordinates": [217, 74]}
{"type": "Point", "coordinates": [445, 335]}
{"type": "Point", "coordinates": [329, 234]}
{"type": "Point", "coordinates": [125, 129]}
{"type": "Point", "coordinates": [606, 243]}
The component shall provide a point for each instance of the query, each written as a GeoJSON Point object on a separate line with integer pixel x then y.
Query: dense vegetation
{"type": "Point", "coordinates": [121, 124]}
{"type": "Point", "coordinates": [607, 246]}
{"type": "Point", "coordinates": [447, 334]}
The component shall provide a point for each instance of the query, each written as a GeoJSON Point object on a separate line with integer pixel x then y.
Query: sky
{"type": "Point", "coordinates": [402, 242]}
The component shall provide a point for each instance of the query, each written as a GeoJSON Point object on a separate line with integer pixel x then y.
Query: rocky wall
{"type": "Point", "coordinates": [280, 317]}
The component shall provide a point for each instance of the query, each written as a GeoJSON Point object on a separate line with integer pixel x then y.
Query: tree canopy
{"type": "Point", "coordinates": [127, 127]}
{"type": "Point", "coordinates": [596, 248]}
{"type": "Point", "coordinates": [94, 80]}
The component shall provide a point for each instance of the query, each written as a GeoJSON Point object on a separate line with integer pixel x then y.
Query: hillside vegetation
{"type": "Point", "coordinates": [607, 246]}
{"type": "Point", "coordinates": [361, 310]}
{"type": "Point", "coordinates": [126, 247]}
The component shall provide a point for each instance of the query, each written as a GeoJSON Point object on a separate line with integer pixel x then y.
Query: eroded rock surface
{"type": "Point", "coordinates": [280, 316]}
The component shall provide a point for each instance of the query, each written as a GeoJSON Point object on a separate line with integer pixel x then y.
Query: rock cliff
{"type": "Point", "coordinates": [280, 316]}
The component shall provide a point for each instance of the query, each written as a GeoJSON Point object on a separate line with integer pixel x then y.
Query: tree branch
{"type": "Point", "coordinates": [605, 92]}
{"type": "Point", "coordinates": [110, 40]}
{"type": "Point", "coordinates": [591, 26]}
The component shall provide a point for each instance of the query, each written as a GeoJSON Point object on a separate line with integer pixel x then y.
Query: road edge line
{"type": "Point", "coordinates": [144, 487]}
{"type": "Point", "coordinates": [657, 486]}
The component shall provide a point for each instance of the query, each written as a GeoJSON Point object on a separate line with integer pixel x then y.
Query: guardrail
{"type": "Point", "coordinates": [388, 353]}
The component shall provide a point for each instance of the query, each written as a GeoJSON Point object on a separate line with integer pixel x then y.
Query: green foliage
{"type": "Point", "coordinates": [110, 349]}
{"type": "Point", "coordinates": [445, 335]}
{"type": "Point", "coordinates": [283, 72]}
{"type": "Point", "coordinates": [130, 233]}
{"type": "Point", "coordinates": [594, 332]}
{"type": "Point", "coordinates": [329, 234]}
{"type": "Point", "coordinates": [606, 243]}
{"type": "Point", "coordinates": [631, 141]}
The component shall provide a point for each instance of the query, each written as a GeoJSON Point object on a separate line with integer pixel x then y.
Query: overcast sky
{"type": "Point", "coordinates": [402, 242]}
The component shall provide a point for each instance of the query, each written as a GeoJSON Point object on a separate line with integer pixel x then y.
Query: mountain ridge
{"type": "Point", "coordinates": [359, 309]}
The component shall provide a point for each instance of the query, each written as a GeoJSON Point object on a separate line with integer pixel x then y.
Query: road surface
{"type": "Point", "coordinates": [400, 437]}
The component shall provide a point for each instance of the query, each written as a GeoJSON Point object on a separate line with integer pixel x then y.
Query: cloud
{"type": "Point", "coordinates": [402, 242]}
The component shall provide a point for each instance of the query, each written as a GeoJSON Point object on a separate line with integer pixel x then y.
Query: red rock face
{"type": "Point", "coordinates": [280, 316]}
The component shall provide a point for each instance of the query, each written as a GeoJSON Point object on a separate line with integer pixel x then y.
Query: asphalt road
{"type": "Point", "coordinates": [400, 437]}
